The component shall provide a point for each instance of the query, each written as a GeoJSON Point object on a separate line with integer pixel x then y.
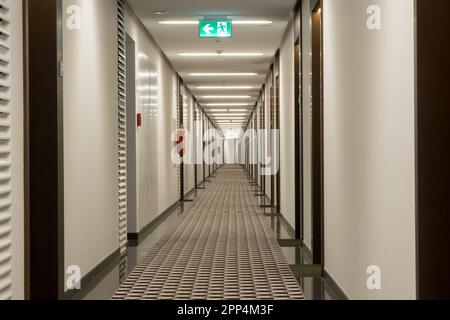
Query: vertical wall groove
{"type": "Point", "coordinates": [122, 126]}
{"type": "Point", "coordinates": [5, 154]}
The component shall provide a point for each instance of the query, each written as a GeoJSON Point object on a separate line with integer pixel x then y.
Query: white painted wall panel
{"type": "Point", "coordinates": [369, 147]}
{"type": "Point", "coordinates": [189, 182]}
{"type": "Point", "coordinates": [267, 139]}
{"type": "Point", "coordinates": [307, 124]}
{"type": "Point", "coordinates": [147, 97]}
{"type": "Point", "coordinates": [230, 151]}
{"type": "Point", "coordinates": [12, 157]}
{"type": "Point", "coordinates": [167, 92]}
{"type": "Point", "coordinates": [91, 135]}
{"type": "Point", "coordinates": [287, 122]}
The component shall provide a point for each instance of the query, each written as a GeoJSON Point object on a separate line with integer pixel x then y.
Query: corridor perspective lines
{"type": "Point", "coordinates": [223, 248]}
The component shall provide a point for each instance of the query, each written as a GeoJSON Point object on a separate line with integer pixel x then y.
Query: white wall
{"type": "Point", "coordinates": [199, 145]}
{"type": "Point", "coordinates": [230, 151]}
{"type": "Point", "coordinates": [258, 143]}
{"type": "Point", "coordinates": [17, 156]}
{"type": "Point", "coordinates": [287, 123]}
{"type": "Point", "coordinates": [91, 138]}
{"type": "Point", "coordinates": [369, 147]}
{"type": "Point", "coordinates": [146, 138]}
{"type": "Point", "coordinates": [307, 123]}
{"type": "Point", "coordinates": [91, 135]}
{"type": "Point", "coordinates": [189, 174]}
{"type": "Point", "coordinates": [167, 91]}
{"type": "Point", "coordinates": [267, 124]}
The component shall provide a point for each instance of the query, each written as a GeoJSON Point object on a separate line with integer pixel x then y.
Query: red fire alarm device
{"type": "Point", "coordinates": [139, 120]}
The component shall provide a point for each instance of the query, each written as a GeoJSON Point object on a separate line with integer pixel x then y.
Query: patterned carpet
{"type": "Point", "coordinates": [223, 248]}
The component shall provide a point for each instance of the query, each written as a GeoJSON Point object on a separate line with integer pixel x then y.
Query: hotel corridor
{"type": "Point", "coordinates": [224, 150]}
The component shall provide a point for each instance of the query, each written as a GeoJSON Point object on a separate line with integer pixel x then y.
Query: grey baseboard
{"type": "Point", "coordinates": [190, 192]}
{"type": "Point", "coordinates": [332, 284]}
{"type": "Point", "coordinates": [134, 239]}
{"type": "Point", "coordinates": [290, 229]}
{"type": "Point", "coordinates": [93, 278]}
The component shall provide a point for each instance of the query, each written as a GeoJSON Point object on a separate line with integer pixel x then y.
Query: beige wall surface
{"type": "Point", "coordinates": [166, 111]}
{"type": "Point", "coordinates": [369, 146]}
{"type": "Point", "coordinates": [287, 116]}
{"type": "Point", "coordinates": [307, 123]}
{"type": "Point", "coordinates": [17, 156]}
{"type": "Point", "coordinates": [90, 134]}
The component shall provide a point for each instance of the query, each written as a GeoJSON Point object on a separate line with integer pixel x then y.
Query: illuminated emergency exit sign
{"type": "Point", "coordinates": [215, 29]}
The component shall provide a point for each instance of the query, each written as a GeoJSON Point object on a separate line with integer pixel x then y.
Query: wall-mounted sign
{"type": "Point", "coordinates": [215, 29]}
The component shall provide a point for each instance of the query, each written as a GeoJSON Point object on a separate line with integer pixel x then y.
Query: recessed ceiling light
{"type": "Point", "coordinates": [217, 54]}
{"type": "Point", "coordinates": [225, 87]}
{"type": "Point", "coordinates": [223, 74]}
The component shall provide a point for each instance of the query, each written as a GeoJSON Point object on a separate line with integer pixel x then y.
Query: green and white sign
{"type": "Point", "coordinates": [215, 29]}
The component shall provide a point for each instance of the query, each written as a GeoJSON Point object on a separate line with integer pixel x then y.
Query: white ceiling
{"type": "Point", "coordinates": [175, 39]}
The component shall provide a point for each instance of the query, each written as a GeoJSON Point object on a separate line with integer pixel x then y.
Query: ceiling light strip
{"type": "Point", "coordinates": [228, 104]}
{"type": "Point", "coordinates": [223, 74]}
{"type": "Point", "coordinates": [197, 22]}
{"type": "Point", "coordinates": [217, 54]}
{"type": "Point", "coordinates": [226, 97]}
{"type": "Point", "coordinates": [226, 88]}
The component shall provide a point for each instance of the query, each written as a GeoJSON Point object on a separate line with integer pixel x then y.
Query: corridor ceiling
{"type": "Point", "coordinates": [176, 39]}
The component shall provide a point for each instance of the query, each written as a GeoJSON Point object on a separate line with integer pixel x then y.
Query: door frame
{"type": "Point", "coordinates": [432, 150]}
{"type": "Point", "coordinates": [263, 136]}
{"type": "Point", "coordinates": [317, 135]}
{"type": "Point", "coordinates": [272, 127]}
{"type": "Point", "coordinates": [298, 127]}
{"type": "Point", "coordinates": [132, 201]}
{"type": "Point", "coordinates": [278, 127]}
{"type": "Point", "coordinates": [180, 113]}
{"type": "Point", "coordinates": [194, 144]}
{"type": "Point", "coordinates": [44, 152]}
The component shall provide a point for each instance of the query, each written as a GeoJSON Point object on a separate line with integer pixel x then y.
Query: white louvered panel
{"type": "Point", "coordinates": [5, 154]}
{"type": "Point", "coordinates": [123, 236]}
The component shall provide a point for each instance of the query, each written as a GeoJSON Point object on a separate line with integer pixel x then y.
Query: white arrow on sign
{"type": "Point", "coordinates": [208, 29]}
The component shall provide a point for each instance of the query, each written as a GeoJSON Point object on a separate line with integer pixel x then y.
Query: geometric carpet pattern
{"type": "Point", "coordinates": [222, 249]}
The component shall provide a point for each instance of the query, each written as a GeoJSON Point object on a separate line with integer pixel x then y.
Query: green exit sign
{"type": "Point", "coordinates": [215, 29]}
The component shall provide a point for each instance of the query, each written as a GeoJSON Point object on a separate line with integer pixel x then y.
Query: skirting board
{"type": "Point", "coordinates": [134, 239]}
{"type": "Point", "coordinates": [290, 230]}
{"type": "Point", "coordinates": [93, 278]}
{"type": "Point", "coordinates": [333, 286]}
